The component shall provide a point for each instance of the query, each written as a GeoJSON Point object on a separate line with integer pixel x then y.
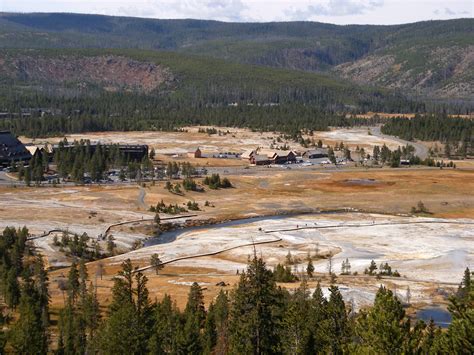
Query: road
{"type": "Point", "coordinates": [5, 180]}
{"type": "Point", "coordinates": [141, 199]}
{"type": "Point", "coordinates": [420, 149]}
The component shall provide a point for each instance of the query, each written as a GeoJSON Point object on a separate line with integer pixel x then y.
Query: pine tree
{"type": "Point", "coordinates": [221, 315]}
{"type": "Point", "coordinates": [384, 328]}
{"type": "Point", "coordinates": [296, 322]}
{"type": "Point", "coordinates": [372, 268]}
{"type": "Point", "coordinates": [83, 277]}
{"type": "Point", "coordinates": [73, 282]}
{"type": "Point", "coordinates": [195, 316]}
{"type": "Point", "coordinates": [195, 304]}
{"type": "Point", "coordinates": [111, 245]}
{"type": "Point", "coordinates": [166, 329]}
{"type": "Point", "coordinates": [71, 330]}
{"type": "Point", "coordinates": [129, 324]}
{"type": "Point", "coordinates": [337, 317]}
{"type": "Point", "coordinates": [29, 335]}
{"type": "Point", "coordinates": [12, 289]}
{"type": "Point", "coordinates": [310, 268]}
{"type": "Point", "coordinates": [100, 269]}
{"type": "Point", "coordinates": [191, 340]}
{"type": "Point", "coordinates": [144, 308]}
{"type": "Point", "coordinates": [210, 331]}
{"type": "Point", "coordinates": [318, 323]}
{"type": "Point", "coordinates": [27, 176]}
{"type": "Point", "coordinates": [41, 285]}
{"type": "Point", "coordinates": [255, 312]}
{"type": "Point", "coordinates": [152, 153]}
{"type": "Point", "coordinates": [430, 336]}
{"type": "Point", "coordinates": [459, 338]}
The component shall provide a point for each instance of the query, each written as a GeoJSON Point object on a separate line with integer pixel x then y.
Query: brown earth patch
{"type": "Point", "coordinates": [112, 73]}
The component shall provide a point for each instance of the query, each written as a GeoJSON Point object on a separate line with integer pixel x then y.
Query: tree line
{"type": "Point", "coordinates": [237, 104]}
{"type": "Point", "coordinates": [434, 127]}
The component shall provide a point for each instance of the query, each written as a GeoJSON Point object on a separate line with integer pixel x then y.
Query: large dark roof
{"type": "Point", "coordinates": [11, 148]}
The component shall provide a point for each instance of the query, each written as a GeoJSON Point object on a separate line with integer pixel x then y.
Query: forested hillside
{"type": "Point", "coordinates": [73, 73]}
{"type": "Point", "coordinates": [54, 91]}
{"type": "Point", "coordinates": [430, 59]}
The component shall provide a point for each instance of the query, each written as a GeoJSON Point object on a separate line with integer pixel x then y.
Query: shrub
{"type": "Point", "coordinates": [193, 206]}
{"type": "Point", "coordinates": [214, 182]}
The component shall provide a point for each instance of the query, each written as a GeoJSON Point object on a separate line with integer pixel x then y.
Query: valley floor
{"type": "Point", "coordinates": [430, 252]}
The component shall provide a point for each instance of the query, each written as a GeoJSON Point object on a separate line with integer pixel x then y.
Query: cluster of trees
{"type": "Point", "coordinates": [13, 247]}
{"type": "Point", "coordinates": [77, 246]}
{"type": "Point", "coordinates": [257, 317]}
{"type": "Point", "coordinates": [440, 164]}
{"type": "Point", "coordinates": [384, 270]}
{"type": "Point", "coordinates": [215, 182]}
{"type": "Point", "coordinates": [35, 170]}
{"type": "Point", "coordinates": [81, 158]}
{"type": "Point", "coordinates": [127, 112]}
{"type": "Point", "coordinates": [346, 267]}
{"type": "Point", "coordinates": [174, 188]}
{"type": "Point", "coordinates": [169, 117]}
{"type": "Point", "coordinates": [24, 288]}
{"type": "Point", "coordinates": [384, 155]}
{"type": "Point", "coordinates": [283, 273]}
{"type": "Point", "coordinates": [79, 320]}
{"type": "Point", "coordinates": [174, 170]}
{"type": "Point", "coordinates": [193, 206]}
{"type": "Point", "coordinates": [161, 207]}
{"type": "Point", "coordinates": [314, 108]}
{"type": "Point", "coordinates": [457, 132]}
{"type": "Point", "coordinates": [190, 185]}
{"type": "Point", "coordinates": [211, 131]}
{"type": "Point", "coordinates": [261, 318]}
{"type": "Point", "coordinates": [76, 160]}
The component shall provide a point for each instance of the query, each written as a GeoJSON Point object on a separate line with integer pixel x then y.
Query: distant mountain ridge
{"type": "Point", "coordinates": [433, 59]}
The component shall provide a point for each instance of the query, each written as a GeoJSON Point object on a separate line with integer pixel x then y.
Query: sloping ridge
{"type": "Point", "coordinates": [431, 58]}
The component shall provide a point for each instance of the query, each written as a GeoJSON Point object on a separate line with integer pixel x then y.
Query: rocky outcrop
{"type": "Point", "coordinates": [111, 73]}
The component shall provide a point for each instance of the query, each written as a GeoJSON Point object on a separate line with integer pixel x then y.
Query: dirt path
{"type": "Point", "coordinates": [49, 233]}
{"type": "Point", "coordinates": [146, 220]}
{"type": "Point", "coordinates": [107, 230]}
{"type": "Point", "coordinates": [402, 278]}
{"type": "Point", "coordinates": [141, 199]}
{"type": "Point", "coordinates": [277, 239]}
{"type": "Point", "coordinates": [366, 225]}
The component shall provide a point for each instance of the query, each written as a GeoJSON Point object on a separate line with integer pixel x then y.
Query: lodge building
{"type": "Point", "coordinates": [269, 156]}
{"type": "Point", "coordinates": [12, 150]}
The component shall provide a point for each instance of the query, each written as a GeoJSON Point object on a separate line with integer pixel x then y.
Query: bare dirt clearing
{"type": "Point", "coordinates": [446, 193]}
{"type": "Point", "coordinates": [356, 136]}
{"type": "Point", "coordinates": [421, 248]}
{"type": "Point", "coordinates": [429, 253]}
{"type": "Point", "coordinates": [231, 139]}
